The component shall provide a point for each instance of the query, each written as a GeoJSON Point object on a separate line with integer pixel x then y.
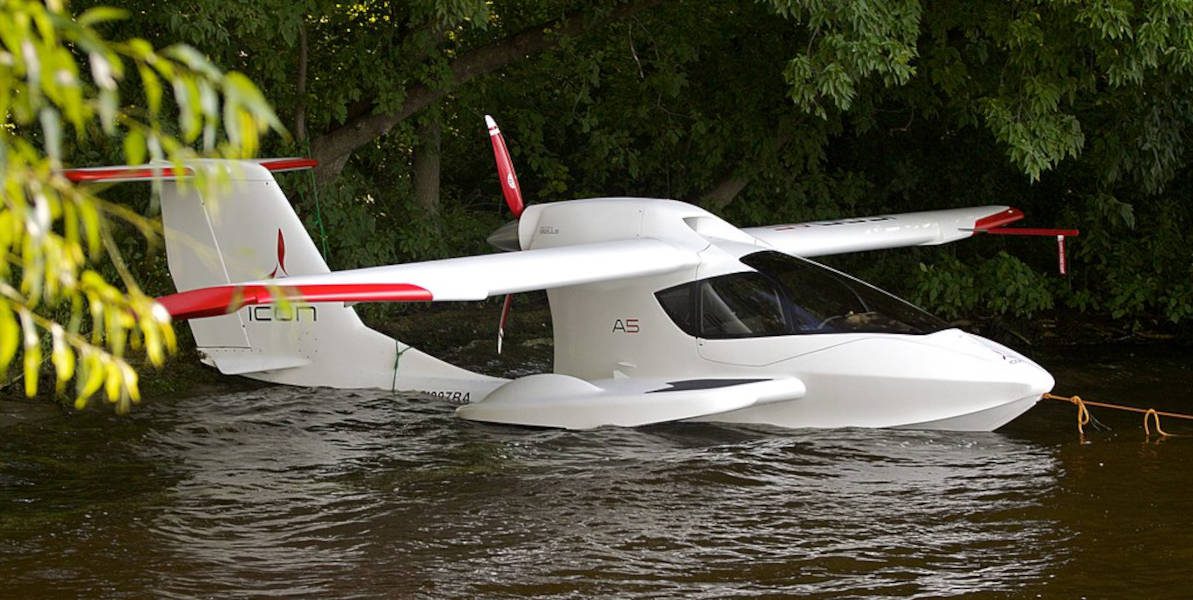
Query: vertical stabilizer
{"type": "Point", "coordinates": [246, 230]}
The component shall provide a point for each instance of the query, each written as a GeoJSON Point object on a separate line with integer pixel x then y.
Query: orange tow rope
{"type": "Point", "coordinates": [1150, 415]}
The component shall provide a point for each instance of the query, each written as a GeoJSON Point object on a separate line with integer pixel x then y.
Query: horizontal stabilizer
{"type": "Point", "coordinates": [239, 361]}
{"type": "Point", "coordinates": [220, 300]}
{"type": "Point", "coordinates": [553, 400]}
{"type": "Point", "coordinates": [168, 172]}
{"type": "Point", "coordinates": [927, 228]}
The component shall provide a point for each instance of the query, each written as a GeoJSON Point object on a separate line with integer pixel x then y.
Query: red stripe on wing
{"type": "Point", "coordinates": [224, 299]}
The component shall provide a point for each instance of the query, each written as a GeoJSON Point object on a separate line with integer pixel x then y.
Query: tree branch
{"type": "Point", "coordinates": [740, 176]}
{"type": "Point", "coordinates": [723, 192]}
{"type": "Point", "coordinates": [333, 148]}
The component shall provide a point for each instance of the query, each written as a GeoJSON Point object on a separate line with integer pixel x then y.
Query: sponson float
{"type": "Point", "coordinates": [661, 311]}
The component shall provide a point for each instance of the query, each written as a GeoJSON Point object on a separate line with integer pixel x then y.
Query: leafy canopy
{"type": "Point", "coordinates": [60, 84]}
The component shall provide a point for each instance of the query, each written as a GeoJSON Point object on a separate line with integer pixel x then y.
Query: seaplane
{"type": "Point", "coordinates": [661, 310]}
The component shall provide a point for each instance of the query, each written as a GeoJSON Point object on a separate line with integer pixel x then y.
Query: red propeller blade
{"type": "Point", "coordinates": [505, 169]}
{"type": "Point", "coordinates": [505, 315]}
{"type": "Point", "coordinates": [513, 199]}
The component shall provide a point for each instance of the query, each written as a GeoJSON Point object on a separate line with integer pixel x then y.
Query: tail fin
{"type": "Point", "coordinates": [246, 230]}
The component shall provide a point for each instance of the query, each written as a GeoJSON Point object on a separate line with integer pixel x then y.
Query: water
{"type": "Point", "coordinates": [272, 491]}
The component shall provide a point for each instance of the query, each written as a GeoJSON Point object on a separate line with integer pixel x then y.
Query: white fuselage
{"type": "Point", "coordinates": [612, 331]}
{"type": "Point", "coordinates": [662, 311]}
{"type": "Point", "coordinates": [620, 358]}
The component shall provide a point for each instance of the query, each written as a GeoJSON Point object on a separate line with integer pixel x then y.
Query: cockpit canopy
{"type": "Point", "coordinates": [786, 295]}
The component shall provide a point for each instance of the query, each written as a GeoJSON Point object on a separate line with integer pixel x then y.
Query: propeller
{"type": "Point", "coordinates": [506, 237]}
{"type": "Point", "coordinates": [505, 169]}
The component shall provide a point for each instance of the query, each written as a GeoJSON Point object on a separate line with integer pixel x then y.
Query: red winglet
{"type": "Point", "coordinates": [994, 225]}
{"type": "Point", "coordinates": [288, 164]}
{"type": "Point", "coordinates": [224, 299]}
{"type": "Point", "coordinates": [998, 219]}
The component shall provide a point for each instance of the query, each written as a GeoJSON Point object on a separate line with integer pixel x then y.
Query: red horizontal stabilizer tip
{"type": "Point", "coordinates": [224, 299]}
{"type": "Point", "coordinates": [147, 172]}
{"type": "Point", "coordinates": [998, 219]}
{"type": "Point", "coordinates": [288, 164]}
{"type": "Point", "coordinates": [125, 173]}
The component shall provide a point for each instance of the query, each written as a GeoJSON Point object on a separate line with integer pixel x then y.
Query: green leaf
{"type": "Point", "coordinates": [91, 378]}
{"type": "Point", "coordinates": [32, 352]}
{"type": "Point", "coordinates": [193, 59]}
{"type": "Point", "coordinates": [134, 147]}
{"type": "Point", "coordinates": [101, 14]}
{"type": "Point", "coordinates": [61, 355]}
{"type": "Point", "coordinates": [9, 336]}
{"type": "Point", "coordinates": [108, 108]}
{"type": "Point", "coordinates": [153, 89]}
{"type": "Point", "coordinates": [51, 126]}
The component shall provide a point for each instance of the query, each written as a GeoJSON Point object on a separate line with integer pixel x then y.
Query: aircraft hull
{"type": "Point", "coordinates": [793, 414]}
{"type": "Point", "coordinates": [948, 380]}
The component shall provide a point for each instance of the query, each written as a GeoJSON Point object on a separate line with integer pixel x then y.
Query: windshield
{"type": "Point", "coordinates": [823, 298]}
{"type": "Point", "coordinates": [789, 295]}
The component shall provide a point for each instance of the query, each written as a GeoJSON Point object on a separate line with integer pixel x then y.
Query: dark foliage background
{"type": "Point", "coordinates": [764, 112]}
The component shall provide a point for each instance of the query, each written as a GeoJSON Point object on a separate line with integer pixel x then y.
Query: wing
{"type": "Point", "coordinates": [466, 278]}
{"type": "Point", "coordinates": [928, 228]}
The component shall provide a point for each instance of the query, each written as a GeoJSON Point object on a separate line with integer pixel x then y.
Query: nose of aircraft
{"type": "Point", "coordinates": [1040, 381]}
{"type": "Point", "coordinates": [1032, 375]}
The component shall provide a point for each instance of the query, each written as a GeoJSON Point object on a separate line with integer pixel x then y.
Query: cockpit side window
{"type": "Point", "coordinates": [741, 305]}
{"type": "Point", "coordinates": [730, 306]}
{"type": "Point", "coordinates": [679, 304]}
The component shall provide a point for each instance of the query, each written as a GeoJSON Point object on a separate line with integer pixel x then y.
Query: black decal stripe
{"type": "Point", "coordinates": [687, 385]}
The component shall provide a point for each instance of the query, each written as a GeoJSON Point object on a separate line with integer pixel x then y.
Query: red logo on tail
{"type": "Point", "coordinates": [281, 264]}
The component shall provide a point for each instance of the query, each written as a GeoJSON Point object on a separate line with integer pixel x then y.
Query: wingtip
{"type": "Point", "coordinates": [1004, 216]}
{"type": "Point", "coordinates": [490, 123]}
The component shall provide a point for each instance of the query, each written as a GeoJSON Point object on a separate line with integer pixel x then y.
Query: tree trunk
{"type": "Point", "coordinates": [723, 193]}
{"type": "Point", "coordinates": [300, 107]}
{"type": "Point", "coordinates": [727, 189]}
{"type": "Point", "coordinates": [426, 165]}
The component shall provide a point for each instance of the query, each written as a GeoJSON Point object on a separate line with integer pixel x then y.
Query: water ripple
{"type": "Point", "coordinates": [282, 492]}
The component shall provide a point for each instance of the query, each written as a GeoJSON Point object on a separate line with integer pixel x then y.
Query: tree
{"type": "Point", "coordinates": [60, 88]}
{"type": "Point", "coordinates": [761, 111]}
